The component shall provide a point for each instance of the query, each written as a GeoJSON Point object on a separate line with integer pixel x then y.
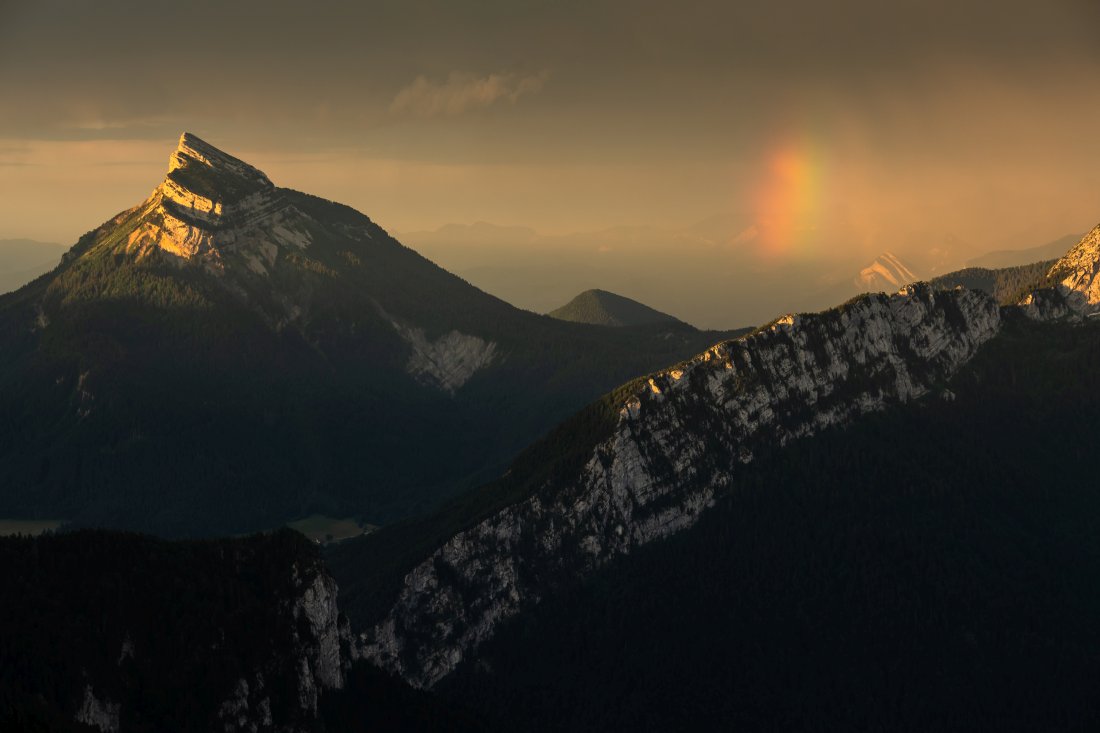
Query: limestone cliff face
{"type": "Point", "coordinates": [319, 661]}
{"type": "Point", "coordinates": [245, 631]}
{"type": "Point", "coordinates": [324, 648]}
{"type": "Point", "coordinates": [1077, 275]}
{"type": "Point", "coordinates": [679, 438]}
{"type": "Point", "coordinates": [213, 210]}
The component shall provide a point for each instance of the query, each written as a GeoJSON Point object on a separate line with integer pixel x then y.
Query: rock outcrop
{"type": "Point", "coordinates": [449, 361]}
{"type": "Point", "coordinates": [678, 438]}
{"type": "Point", "coordinates": [102, 714]}
{"type": "Point", "coordinates": [324, 648]}
{"type": "Point", "coordinates": [319, 659]}
{"type": "Point", "coordinates": [1048, 304]}
{"type": "Point", "coordinates": [1076, 275]}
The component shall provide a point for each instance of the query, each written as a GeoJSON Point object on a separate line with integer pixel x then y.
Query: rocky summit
{"type": "Point", "coordinates": [218, 215]}
{"type": "Point", "coordinates": [212, 209]}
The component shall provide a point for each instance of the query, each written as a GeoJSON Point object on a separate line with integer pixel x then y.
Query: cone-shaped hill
{"type": "Point", "coordinates": [601, 308]}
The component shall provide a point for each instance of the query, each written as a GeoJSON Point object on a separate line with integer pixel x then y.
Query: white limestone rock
{"type": "Point", "coordinates": [320, 660]}
{"type": "Point", "coordinates": [449, 361]}
{"type": "Point", "coordinates": [1078, 282]}
{"type": "Point", "coordinates": [239, 221]}
{"type": "Point", "coordinates": [322, 657]}
{"type": "Point", "coordinates": [102, 714]}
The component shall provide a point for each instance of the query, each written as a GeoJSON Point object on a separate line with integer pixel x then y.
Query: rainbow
{"type": "Point", "coordinates": [788, 199]}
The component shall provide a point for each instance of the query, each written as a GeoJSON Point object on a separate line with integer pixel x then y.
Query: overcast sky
{"type": "Point", "coordinates": [890, 121]}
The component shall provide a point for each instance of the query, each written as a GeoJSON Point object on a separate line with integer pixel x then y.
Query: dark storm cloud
{"type": "Point", "coordinates": [68, 68]}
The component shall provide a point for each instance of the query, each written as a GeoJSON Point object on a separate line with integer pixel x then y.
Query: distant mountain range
{"type": "Point", "coordinates": [602, 308]}
{"type": "Point", "coordinates": [705, 273]}
{"type": "Point", "coordinates": [228, 355]}
{"type": "Point", "coordinates": [1016, 257]}
{"type": "Point", "coordinates": [712, 273]}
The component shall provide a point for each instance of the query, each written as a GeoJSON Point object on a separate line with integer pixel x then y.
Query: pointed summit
{"type": "Point", "coordinates": [193, 152]}
{"type": "Point", "coordinates": [212, 206]}
{"type": "Point", "coordinates": [601, 308]}
{"type": "Point", "coordinates": [198, 170]}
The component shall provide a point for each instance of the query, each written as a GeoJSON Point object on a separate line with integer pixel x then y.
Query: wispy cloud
{"type": "Point", "coordinates": [462, 92]}
{"type": "Point", "coordinates": [104, 123]}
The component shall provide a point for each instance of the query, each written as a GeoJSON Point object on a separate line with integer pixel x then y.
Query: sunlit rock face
{"type": "Point", "coordinates": [214, 211]}
{"type": "Point", "coordinates": [1076, 275]}
{"type": "Point", "coordinates": [679, 439]}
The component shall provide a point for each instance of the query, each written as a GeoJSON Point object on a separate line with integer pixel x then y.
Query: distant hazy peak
{"type": "Point", "coordinates": [886, 272]}
{"type": "Point", "coordinates": [602, 308]}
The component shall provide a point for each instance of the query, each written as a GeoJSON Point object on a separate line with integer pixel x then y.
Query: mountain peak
{"type": "Point", "coordinates": [886, 273]}
{"type": "Point", "coordinates": [602, 308]}
{"type": "Point", "coordinates": [197, 169]}
{"type": "Point", "coordinates": [210, 206]}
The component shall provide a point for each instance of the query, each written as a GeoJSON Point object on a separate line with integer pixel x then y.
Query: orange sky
{"type": "Point", "coordinates": [815, 129]}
